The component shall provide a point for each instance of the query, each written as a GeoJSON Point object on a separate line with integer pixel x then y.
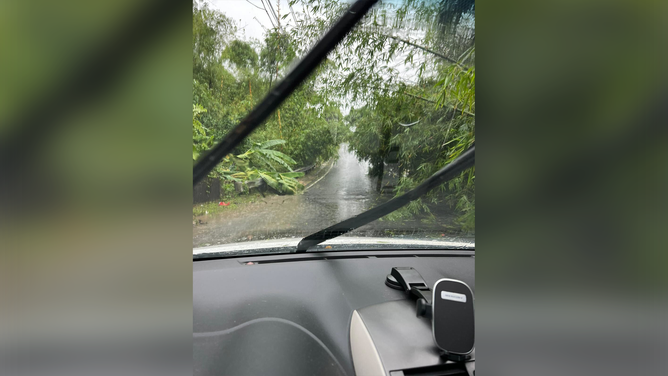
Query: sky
{"type": "Point", "coordinates": [250, 19]}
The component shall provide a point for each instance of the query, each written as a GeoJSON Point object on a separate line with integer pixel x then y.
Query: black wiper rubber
{"type": "Point", "coordinates": [281, 91]}
{"type": "Point", "coordinates": [465, 161]}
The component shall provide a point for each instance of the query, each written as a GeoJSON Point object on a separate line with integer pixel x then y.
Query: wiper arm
{"type": "Point", "coordinates": [274, 99]}
{"type": "Point", "coordinates": [465, 161]}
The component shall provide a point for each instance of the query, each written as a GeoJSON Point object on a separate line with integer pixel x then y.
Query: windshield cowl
{"type": "Point", "coordinates": [348, 243]}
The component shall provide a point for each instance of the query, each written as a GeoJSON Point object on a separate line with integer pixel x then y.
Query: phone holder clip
{"type": "Point", "coordinates": [411, 282]}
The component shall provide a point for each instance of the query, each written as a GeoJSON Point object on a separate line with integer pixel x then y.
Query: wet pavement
{"type": "Point", "coordinates": [344, 190]}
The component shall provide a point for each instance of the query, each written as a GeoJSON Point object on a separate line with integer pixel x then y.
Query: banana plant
{"type": "Point", "coordinates": [262, 155]}
{"type": "Point", "coordinates": [282, 182]}
{"type": "Point", "coordinates": [246, 175]}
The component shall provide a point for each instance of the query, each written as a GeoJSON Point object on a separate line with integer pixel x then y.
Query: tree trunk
{"type": "Point", "coordinates": [380, 171]}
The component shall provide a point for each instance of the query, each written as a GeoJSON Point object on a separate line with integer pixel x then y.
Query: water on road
{"type": "Point", "coordinates": [346, 191]}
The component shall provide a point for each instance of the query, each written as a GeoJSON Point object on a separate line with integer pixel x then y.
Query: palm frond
{"type": "Point", "coordinates": [278, 157]}
{"type": "Point", "coordinates": [271, 143]}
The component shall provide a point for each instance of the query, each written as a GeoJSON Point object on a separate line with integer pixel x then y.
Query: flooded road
{"type": "Point", "coordinates": [346, 191]}
{"type": "Point", "coordinates": [343, 191]}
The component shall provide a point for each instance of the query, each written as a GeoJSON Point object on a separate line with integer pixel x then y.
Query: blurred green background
{"type": "Point", "coordinates": [573, 140]}
{"type": "Point", "coordinates": [571, 187]}
{"type": "Point", "coordinates": [95, 261]}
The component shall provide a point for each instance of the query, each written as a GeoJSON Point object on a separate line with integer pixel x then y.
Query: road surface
{"type": "Point", "coordinates": [345, 191]}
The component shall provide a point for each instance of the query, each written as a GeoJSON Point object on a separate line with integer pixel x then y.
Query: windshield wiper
{"type": "Point", "coordinates": [465, 161]}
{"type": "Point", "coordinates": [274, 99]}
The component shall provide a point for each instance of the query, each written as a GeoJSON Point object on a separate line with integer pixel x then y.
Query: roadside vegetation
{"type": "Point", "coordinates": [400, 90]}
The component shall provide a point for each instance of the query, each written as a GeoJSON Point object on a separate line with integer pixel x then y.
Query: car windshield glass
{"type": "Point", "coordinates": [391, 105]}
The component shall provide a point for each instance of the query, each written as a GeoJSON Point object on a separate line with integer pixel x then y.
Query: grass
{"type": "Point", "coordinates": [235, 203]}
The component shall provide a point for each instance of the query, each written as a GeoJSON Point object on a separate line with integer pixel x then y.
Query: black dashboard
{"type": "Point", "coordinates": [290, 314]}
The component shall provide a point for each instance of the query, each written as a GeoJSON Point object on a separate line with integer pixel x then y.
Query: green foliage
{"type": "Point", "coordinates": [457, 87]}
{"type": "Point", "coordinates": [440, 134]}
{"type": "Point", "coordinates": [261, 162]}
{"type": "Point", "coordinates": [211, 31]}
{"type": "Point", "coordinates": [241, 54]}
{"type": "Point", "coordinates": [282, 182]}
{"type": "Point", "coordinates": [467, 206]}
{"type": "Point", "coordinates": [215, 87]}
{"type": "Point", "coordinates": [278, 51]}
{"type": "Point", "coordinates": [227, 189]}
{"type": "Point", "coordinates": [201, 141]}
{"type": "Point", "coordinates": [309, 125]}
{"type": "Point", "coordinates": [261, 155]}
{"type": "Point", "coordinates": [231, 76]}
{"type": "Point", "coordinates": [393, 79]}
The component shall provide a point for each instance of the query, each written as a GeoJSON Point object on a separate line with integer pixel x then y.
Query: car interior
{"type": "Point", "coordinates": [319, 314]}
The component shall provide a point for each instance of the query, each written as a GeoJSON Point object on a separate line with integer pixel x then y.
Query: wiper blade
{"type": "Point", "coordinates": [283, 89]}
{"type": "Point", "coordinates": [465, 161]}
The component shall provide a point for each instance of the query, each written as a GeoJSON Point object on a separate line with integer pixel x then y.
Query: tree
{"type": "Point", "coordinates": [231, 75]}
{"type": "Point", "coordinates": [241, 54]}
{"type": "Point", "coordinates": [407, 63]}
{"type": "Point", "coordinates": [277, 53]}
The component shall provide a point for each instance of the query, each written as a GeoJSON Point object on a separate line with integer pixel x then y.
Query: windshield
{"type": "Point", "coordinates": [393, 104]}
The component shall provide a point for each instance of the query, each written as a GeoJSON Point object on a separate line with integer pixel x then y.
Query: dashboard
{"type": "Point", "coordinates": [318, 314]}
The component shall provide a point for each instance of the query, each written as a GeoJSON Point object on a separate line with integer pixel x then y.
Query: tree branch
{"type": "Point", "coordinates": [453, 61]}
{"type": "Point", "coordinates": [258, 21]}
{"type": "Point", "coordinates": [419, 97]}
{"type": "Point", "coordinates": [248, 1]}
{"type": "Point", "coordinates": [433, 101]}
{"type": "Point", "coordinates": [471, 114]}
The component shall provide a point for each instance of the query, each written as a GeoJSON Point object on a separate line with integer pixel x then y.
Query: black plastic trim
{"type": "Point", "coordinates": [292, 257]}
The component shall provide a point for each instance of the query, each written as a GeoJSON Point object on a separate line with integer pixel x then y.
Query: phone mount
{"type": "Point", "coordinates": [410, 281]}
{"type": "Point", "coordinates": [449, 306]}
